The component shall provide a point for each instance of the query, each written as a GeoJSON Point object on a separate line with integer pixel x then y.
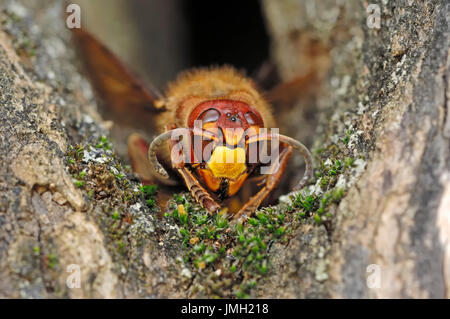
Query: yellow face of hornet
{"type": "Point", "coordinates": [227, 163]}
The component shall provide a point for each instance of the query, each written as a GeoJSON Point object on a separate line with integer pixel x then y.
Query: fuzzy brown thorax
{"type": "Point", "coordinates": [194, 87]}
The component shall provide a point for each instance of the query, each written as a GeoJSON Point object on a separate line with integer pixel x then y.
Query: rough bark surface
{"type": "Point", "coordinates": [389, 86]}
{"type": "Point", "coordinates": [46, 222]}
{"type": "Point", "coordinates": [383, 103]}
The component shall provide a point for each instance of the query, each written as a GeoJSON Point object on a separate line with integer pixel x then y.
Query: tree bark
{"type": "Point", "coordinates": [382, 104]}
{"type": "Point", "coordinates": [49, 228]}
{"type": "Point", "coordinates": [389, 87]}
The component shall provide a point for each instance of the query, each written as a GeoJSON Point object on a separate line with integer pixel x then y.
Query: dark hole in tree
{"type": "Point", "coordinates": [233, 33]}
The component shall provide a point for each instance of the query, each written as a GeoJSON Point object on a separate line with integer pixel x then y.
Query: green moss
{"type": "Point", "coordinates": [200, 248]}
{"type": "Point", "coordinates": [36, 250]}
{"type": "Point", "coordinates": [115, 215]}
{"type": "Point", "coordinates": [334, 170]}
{"type": "Point", "coordinates": [148, 193]}
{"type": "Point", "coordinates": [347, 136]}
{"type": "Point", "coordinates": [306, 202]}
{"type": "Point", "coordinates": [317, 219]}
{"type": "Point", "coordinates": [262, 218]}
{"type": "Point", "coordinates": [178, 199]}
{"type": "Point", "coordinates": [52, 261]}
{"type": "Point", "coordinates": [337, 194]}
{"type": "Point", "coordinates": [119, 176]}
{"type": "Point", "coordinates": [324, 181]}
{"type": "Point", "coordinates": [150, 202]}
{"type": "Point", "coordinates": [79, 184]}
{"type": "Point", "coordinates": [210, 257]}
{"type": "Point", "coordinates": [200, 218]}
{"type": "Point", "coordinates": [104, 143]}
{"type": "Point", "coordinates": [79, 152]}
{"type": "Point", "coordinates": [221, 222]}
{"type": "Point", "coordinates": [149, 190]}
{"type": "Point", "coordinates": [82, 175]}
{"type": "Point", "coordinates": [253, 222]}
{"type": "Point", "coordinates": [280, 231]}
{"type": "Point", "coordinates": [234, 248]}
{"type": "Point", "coordinates": [349, 162]}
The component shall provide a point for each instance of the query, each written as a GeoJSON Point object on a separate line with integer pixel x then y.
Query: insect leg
{"type": "Point", "coordinates": [276, 171]}
{"type": "Point", "coordinates": [200, 194]}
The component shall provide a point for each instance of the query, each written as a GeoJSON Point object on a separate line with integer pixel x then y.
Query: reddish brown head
{"type": "Point", "coordinates": [222, 116]}
{"type": "Point", "coordinates": [225, 167]}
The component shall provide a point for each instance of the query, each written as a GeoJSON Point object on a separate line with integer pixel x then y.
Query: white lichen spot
{"type": "Point", "coordinates": [186, 273]}
{"type": "Point", "coordinates": [87, 119]}
{"type": "Point", "coordinates": [344, 85]}
{"type": "Point", "coordinates": [348, 121]}
{"type": "Point", "coordinates": [92, 156]}
{"type": "Point", "coordinates": [284, 199]}
{"type": "Point", "coordinates": [361, 108]}
{"type": "Point", "coordinates": [354, 138]}
{"type": "Point", "coordinates": [321, 252]}
{"type": "Point", "coordinates": [142, 225]}
{"type": "Point", "coordinates": [341, 182]}
{"type": "Point", "coordinates": [334, 82]}
{"type": "Point", "coordinates": [359, 166]}
{"type": "Point", "coordinates": [87, 157]}
{"type": "Point", "coordinates": [51, 75]}
{"type": "Point", "coordinates": [17, 9]}
{"type": "Point", "coordinates": [136, 207]}
{"type": "Point", "coordinates": [335, 138]}
{"type": "Point", "coordinates": [374, 114]}
{"type": "Point", "coordinates": [315, 189]}
{"type": "Point", "coordinates": [55, 47]}
{"type": "Point", "coordinates": [321, 271]}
